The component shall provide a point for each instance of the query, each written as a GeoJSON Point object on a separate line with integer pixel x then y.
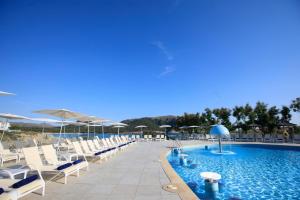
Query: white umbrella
{"type": "Point", "coordinates": [193, 127]}
{"type": "Point", "coordinates": [44, 122]}
{"type": "Point", "coordinates": [141, 127]}
{"type": "Point", "coordinates": [61, 113]}
{"type": "Point", "coordinates": [119, 128]}
{"type": "Point", "coordinates": [88, 120]}
{"type": "Point", "coordinates": [102, 121]}
{"type": "Point", "coordinates": [118, 124]}
{"type": "Point", "coordinates": [8, 116]}
{"type": "Point", "coordinates": [5, 93]}
{"type": "Point", "coordinates": [165, 127]}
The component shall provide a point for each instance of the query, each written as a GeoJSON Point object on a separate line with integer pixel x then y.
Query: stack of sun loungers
{"type": "Point", "coordinates": [55, 162]}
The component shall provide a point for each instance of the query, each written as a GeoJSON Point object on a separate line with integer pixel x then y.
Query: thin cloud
{"type": "Point", "coordinates": [163, 49]}
{"type": "Point", "coordinates": [167, 70]}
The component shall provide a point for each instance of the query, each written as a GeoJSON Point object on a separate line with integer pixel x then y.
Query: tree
{"type": "Point", "coordinates": [261, 115]}
{"type": "Point", "coordinates": [295, 106]}
{"type": "Point", "coordinates": [285, 113]}
{"type": "Point", "coordinates": [222, 115]}
{"type": "Point", "coordinates": [244, 115]}
{"type": "Point", "coordinates": [273, 119]}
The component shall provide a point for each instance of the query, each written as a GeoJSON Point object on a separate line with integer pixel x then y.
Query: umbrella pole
{"type": "Point", "coordinates": [118, 131]}
{"type": "Point", "coordinates": [220, 145]}
{"type": "Point", "coordinates": [165, 134]}
{"type": "Point", "coordinates": [43, 132]}
{"type": "Point", "coordinates": [4, 129]}
{"type": "Point", "coordinates": [102, 130]}
{"type": "Point", "coordinates": [61, 127]}
{"type": "Point", "coordinates": [88, 131]}
{"type": "Point", "coordinates": [94, 130]}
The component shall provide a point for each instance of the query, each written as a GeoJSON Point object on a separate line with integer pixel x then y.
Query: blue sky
{"type": "Point", "coordinates": [125, 59]}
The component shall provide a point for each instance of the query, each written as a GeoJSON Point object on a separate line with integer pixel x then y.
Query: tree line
{"type": "Point", "coordinates": [263, 117]}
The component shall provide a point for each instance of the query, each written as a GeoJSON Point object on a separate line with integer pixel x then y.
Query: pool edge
{"type": "Point", "coordinates": [184, 191]}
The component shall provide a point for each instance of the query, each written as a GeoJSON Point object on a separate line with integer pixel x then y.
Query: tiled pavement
{"type": "Point", "coordinates": [135, 174]}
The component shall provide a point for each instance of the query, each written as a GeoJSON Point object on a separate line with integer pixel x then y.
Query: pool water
{"type": "Point", "coordinates": [252, 172]}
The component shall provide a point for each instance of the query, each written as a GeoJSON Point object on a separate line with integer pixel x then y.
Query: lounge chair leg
{"type": "Point", "coordinates": [43, 191]}
{"type": "Point", "coordinates": [78, 173]}
{"type": "Point", "coordinates": [65, 179]}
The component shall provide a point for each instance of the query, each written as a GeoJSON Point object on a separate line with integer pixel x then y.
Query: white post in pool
{"type": "Point", "coordinates": [220, 145]}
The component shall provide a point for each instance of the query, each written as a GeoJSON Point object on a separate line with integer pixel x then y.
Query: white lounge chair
{"type": "Point", "coordinates": [52, 159]}
{"type": "Point", "coordinates": [268, 138]}
{"type": "Point", "coordinates": [145, 137]}
{"type": "Point", "coordinates": [157, 137]}
{"type": "Point", "coordinates": [296, 138]}
{"type": "Point", "coordinates": [34, 162]}
{"type": "Point", "coordinates": [259, 138]}
{"type": "Point", "coordinates": [17, 188]}
{"type": "Point", "coordinates": [279, 138]}
{"type": "Point", "coordinates": [6, 155]}
{"type": "Point", "coordinates": [250, 137]}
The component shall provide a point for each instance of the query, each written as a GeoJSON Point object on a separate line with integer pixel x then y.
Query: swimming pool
{"type": "Point", "coordinates": [253, 172]}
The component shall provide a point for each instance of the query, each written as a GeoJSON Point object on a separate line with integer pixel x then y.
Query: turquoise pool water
{"type": "Point", "coordinates": [253, 172]}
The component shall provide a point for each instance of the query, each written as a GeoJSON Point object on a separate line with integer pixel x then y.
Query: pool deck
{"type": "Point", "coordinates": [135, 174]}
{"type": "Point", "coordinates": [138, 173]}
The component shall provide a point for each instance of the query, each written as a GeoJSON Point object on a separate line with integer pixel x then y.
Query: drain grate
{"type": "Point", "coordinates": [170, 188]}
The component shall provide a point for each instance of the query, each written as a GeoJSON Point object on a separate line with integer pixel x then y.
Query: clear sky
{"type": "Point", "coordinates": [132, 58]}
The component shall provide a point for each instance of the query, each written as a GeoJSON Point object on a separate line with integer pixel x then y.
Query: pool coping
{"type": "Point", "coordinates": [184, 191]}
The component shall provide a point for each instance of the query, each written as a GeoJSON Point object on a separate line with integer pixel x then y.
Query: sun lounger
{"type": "Point", "coordinates": [296, 138]}
{"type": "Point", "coordinates": [101, 148]}
{"type": "Point", "coordinates": [259, 138]}
{"type": "Point", "coordinates": [279, 138]}
{"type": "Point", "coordinates": [34, 162]}
{"type": "Point", "coordinates": [268, 138]}
{"type": "Point", "coordinates": [101, 151]}
{"type": "Point", "coordinates": [145, 138]}
{"type": "Point", "coordinates": [157, 137]}
{"type": "Point", "coordinates": [94, 152]}
{"type": "Point", "coordinates": [14, 189]}
{"type": "Point", "coordinates": [52, 159]}
{"type": "Point", "coordinates": [79, 151]}
{"type": "Point", "coordinates": [238, 138]}
{"type": "Point", "coordinates": [250, 137]}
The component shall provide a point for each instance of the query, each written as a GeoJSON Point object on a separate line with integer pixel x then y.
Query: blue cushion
{"type": "Point", "coordinates": [98, 153]}
{"type": "Point", "coordinates": [64, 166]}
{"type": "Point", "coordinates": [77, 161]}
{"type": "Point", "coordinates": [25, 181]}
{"type": "Point", "coordinates": [1, 190]}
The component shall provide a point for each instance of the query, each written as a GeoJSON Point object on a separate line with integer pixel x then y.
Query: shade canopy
{"type": "Point", "coordinates": [5, 93]}
{"type": "Point", "coordinates": [286, 124]}
{"type": "Point", "coordinates": [101, 120]}
{"type": "Point", "coordinates": [141, 126]}
{"type": "Point", "coordinates": [12, 116]}
{"type": "Point", "coordinates": [183, 127]}
{"type": "Point", "coordinates": [89, 119]}
{"type": "Point", "coordinates": [62, 113]}
{"type": "Point", "coordinates": [45, 120]}
{"type": "Point", "coordinates": [218, 130]}
{"type": "Point", "coordinates": [118, 124]}
{"type": "Point", "coordinates": [165, 126]}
